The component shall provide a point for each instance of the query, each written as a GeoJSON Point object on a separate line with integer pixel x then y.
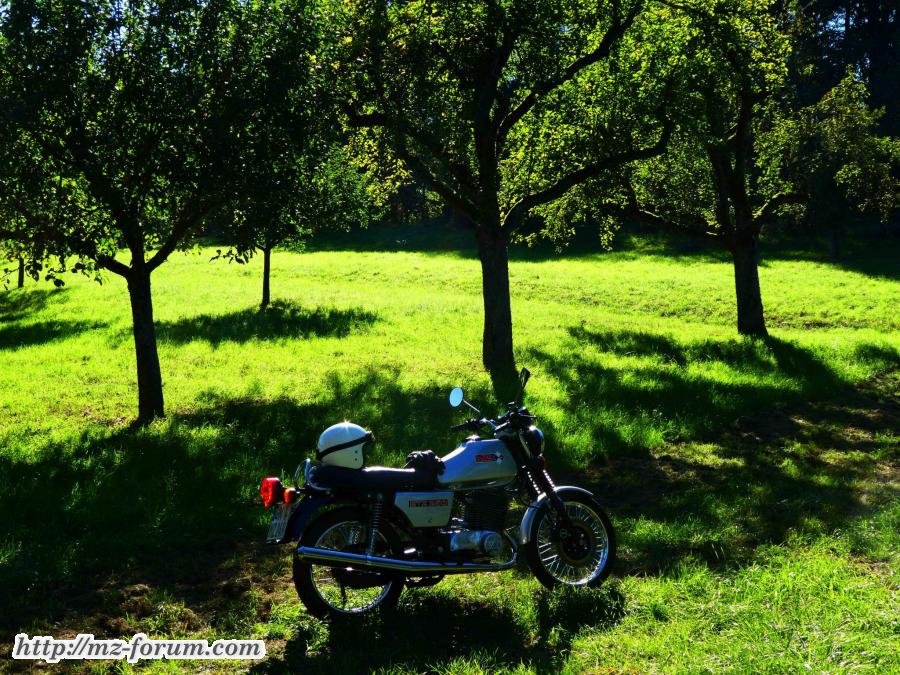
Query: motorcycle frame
{"type": "Point", "coordinates": [316, 498]}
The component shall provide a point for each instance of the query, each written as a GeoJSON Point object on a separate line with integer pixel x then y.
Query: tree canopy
{"type": "Point", "coordinates": [503, 107]}
{"type": "Point", "coordinates": [119, 126]}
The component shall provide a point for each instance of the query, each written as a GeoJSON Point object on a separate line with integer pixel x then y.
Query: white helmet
{"type": "Point", "coordinates": [342, 445]}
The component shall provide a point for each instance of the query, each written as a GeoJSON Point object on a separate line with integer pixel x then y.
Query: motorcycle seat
{"type": "Point", "coordinates": [373, 478]}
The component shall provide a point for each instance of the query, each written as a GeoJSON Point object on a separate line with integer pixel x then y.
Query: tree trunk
{"type": "Point", "coordinates": [497, 341]}
{"type": "Point", "coordinates": [746, 284]}
{"type": "Point", "coordinates": [267, 268]}
{"type": "Point", "coordinates": [21, 279]}
{"type": "Point", "coordinates": [150, 394]}
{"type": "Point", "coordinates": [834, 244]}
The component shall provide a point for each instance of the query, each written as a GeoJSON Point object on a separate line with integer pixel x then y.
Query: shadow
{"type": "Point", "coordinates": [13, 337]}
{"type": "Point", "coordinates": [660, 390]}
{"type": "Point", "coordinates": [874, 255]}
{"type": "Point", "coordinates": [18, 304]}
{"type": "Point", "coordinates": [757, 457]}
{"type": "Point", "coordinates": [777, 474]}
{"type": "Point", "coordinates": [169, 504]}
{"type": "Point", "coordinates": [280, 320]}
{"type": "Point", "coordinates": [94, 526]}
{"type": "Point", "coordinates": [453, 239]}
{"type": "Point", "coordinates": [432, 627]}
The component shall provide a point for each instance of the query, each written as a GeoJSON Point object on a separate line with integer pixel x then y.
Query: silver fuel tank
{"type": "Point", "coordinates": [478, 463]}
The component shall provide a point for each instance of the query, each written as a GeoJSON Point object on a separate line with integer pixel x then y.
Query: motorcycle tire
{"type": "Point", "coordinates": [326, 597]}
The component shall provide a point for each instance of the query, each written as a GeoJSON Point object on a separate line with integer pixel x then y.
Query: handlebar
{"type": "Point", "coordinates": [474, 425]}
{"type": "Point", "coordinates": [477, 424]}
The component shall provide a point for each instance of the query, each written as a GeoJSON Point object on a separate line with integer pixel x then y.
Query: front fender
{"type": "Point", "coordinates": [308, 506]}
{"type": "Point", "coordinates": [532, 510]}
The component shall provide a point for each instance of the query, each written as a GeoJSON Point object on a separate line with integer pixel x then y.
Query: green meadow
{"type": "Point", "coordinates": [754, 483]}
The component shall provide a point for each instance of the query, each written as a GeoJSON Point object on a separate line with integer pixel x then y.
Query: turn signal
{"type": "Point", "coordinates": [289, 495]}
{"type": "Point", "coordinates": [271, 490]}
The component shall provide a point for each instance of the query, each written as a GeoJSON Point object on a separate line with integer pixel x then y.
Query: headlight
{"type": "Point", "coordinates": [534, 439]}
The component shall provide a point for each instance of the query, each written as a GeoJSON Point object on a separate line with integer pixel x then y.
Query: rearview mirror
{"type": "Point", "coordinates": [456, 397]}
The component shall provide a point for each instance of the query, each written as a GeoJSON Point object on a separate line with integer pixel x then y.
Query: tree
{"type": "Point", "coordinates": [832, 149]}
{"type": "Point", "coordinates": [12, 242]}
{"type": "Point", "coordinates": [708, 183]}
{"type": "Point", "coordinates": [286, 199]}
{"type": "Point", "coordinates": [295, 175]}
{"type": "Point", "coordinates": [832, 36]}
{"type": "Point", "coordinates": [466, 96]}
{"type": "Point", "coordinates": [117, 123]}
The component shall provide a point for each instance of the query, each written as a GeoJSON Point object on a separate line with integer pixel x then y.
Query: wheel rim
{"type": "Point", "coordinates": [580, 559]}
{"type": "Point", "coordinates": [347, 535]}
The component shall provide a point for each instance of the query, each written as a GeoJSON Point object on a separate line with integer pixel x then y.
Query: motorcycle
{"type": "Point", "coordinates": [362, 534]}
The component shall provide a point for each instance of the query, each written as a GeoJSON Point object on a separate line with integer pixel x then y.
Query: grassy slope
{"type": "Point", "coordinates": [636, 371]}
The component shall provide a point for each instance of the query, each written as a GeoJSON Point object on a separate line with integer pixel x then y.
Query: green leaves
{"type": "Point", "coordinates": [121, 123]}
{"type": "Point", "coordinates": [496, 106]}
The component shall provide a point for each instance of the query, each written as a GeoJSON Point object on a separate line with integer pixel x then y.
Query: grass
{"type": "Point", "coordinates": [753, 486]}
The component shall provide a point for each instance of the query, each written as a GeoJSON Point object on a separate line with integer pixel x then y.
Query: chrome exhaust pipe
{"type": "Point", "coordinates": [329, 558]}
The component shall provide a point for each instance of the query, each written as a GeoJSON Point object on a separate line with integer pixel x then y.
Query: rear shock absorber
{"type": "Point", "coordinates": [374, 522]}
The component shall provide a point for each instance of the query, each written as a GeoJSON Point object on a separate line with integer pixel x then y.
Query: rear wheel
{"type": "Point", "coordinates": [344, 591]}
{"type": "Point", "coordinates": [578, 553]}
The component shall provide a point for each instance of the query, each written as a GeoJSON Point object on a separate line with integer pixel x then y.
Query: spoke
{"type": "Point", "coordinates": [596, 538]}
{"type": "Point", "coordinates": [339, 596]}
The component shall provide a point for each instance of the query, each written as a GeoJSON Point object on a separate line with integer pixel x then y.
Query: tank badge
{"type": "Point", "coordinates": [490, 457]}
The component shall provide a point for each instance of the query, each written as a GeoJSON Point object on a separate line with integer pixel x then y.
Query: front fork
{"type": "Point", "coordinates": [542, 483]}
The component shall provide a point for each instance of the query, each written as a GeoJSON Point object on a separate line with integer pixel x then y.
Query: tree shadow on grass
{"type": "Point", "coordinates": [168, 504]}
{"type": "Point", "coordinates": [13, 337]}
{"type": "Point", "coordinates": [175, 507]}
{"type": "Point", "coordinates": [663, 390]}
{"type": "Point", "coordinates": [432, 628]}
{"type": "Point", "coordinates": [745, 472]}
{"type": "Point", "coordinates": [18, 304]}
{"type": "Point", "coordinates": [280, 320]}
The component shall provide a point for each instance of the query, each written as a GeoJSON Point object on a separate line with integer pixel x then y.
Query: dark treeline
{"type": "Point", "coordinates": [127, 130]}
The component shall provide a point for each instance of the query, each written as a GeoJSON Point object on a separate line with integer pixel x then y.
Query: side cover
{"type": "Point", "coordinates": [425, 509]}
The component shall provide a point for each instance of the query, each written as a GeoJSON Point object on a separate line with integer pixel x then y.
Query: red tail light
{"type": "Point", "coordinates": [272, 491]}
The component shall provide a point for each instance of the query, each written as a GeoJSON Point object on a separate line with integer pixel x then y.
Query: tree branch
{"type": "Point", "coordinates": [767, 210]}
{"type": "Point", "coordinates": [602, 51]}
{"type": "Point", "coordinates": [76, 244]}
{"type": "Point", "coordinates": [462, 177]}
{"type": "Point", "coordinates": [523, 206]}
{"type": "Point", "coordinates": [447, 58]}
{"type": "Point", "coordinates": [421, 171]}
{"type": "Point", "coordinates": [183, 225]}
{"type": "Point", "coordinates": [113, 265]}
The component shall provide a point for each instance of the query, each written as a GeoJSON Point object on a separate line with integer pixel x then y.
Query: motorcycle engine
{"type": "Point", "coordinates": [484, 518]}
{"type": "Point", "coordinates": [486, 510]}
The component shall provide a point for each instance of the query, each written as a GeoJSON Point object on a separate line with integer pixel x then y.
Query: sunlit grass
{"type": "Point", "coordinates": [769, 547]}
{"type": "Point", "coordinates": [656, 328]}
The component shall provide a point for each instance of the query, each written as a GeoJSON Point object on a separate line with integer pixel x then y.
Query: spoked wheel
{"type": "Point", "coordinates": [579, 553]}
{"type": "Point", "coordinates": [344, 591]}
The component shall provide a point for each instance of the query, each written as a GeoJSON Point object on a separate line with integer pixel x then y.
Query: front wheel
{"type": "Point", "coordinates": [344, 591]}
{"type": "Point", "coordinates": [579, 553]}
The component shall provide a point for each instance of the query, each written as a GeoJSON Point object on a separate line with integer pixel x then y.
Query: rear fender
{"type": "Point", "coordinates": [303, 514]}
{"type": "Point", "coordinates": [539, 503]}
